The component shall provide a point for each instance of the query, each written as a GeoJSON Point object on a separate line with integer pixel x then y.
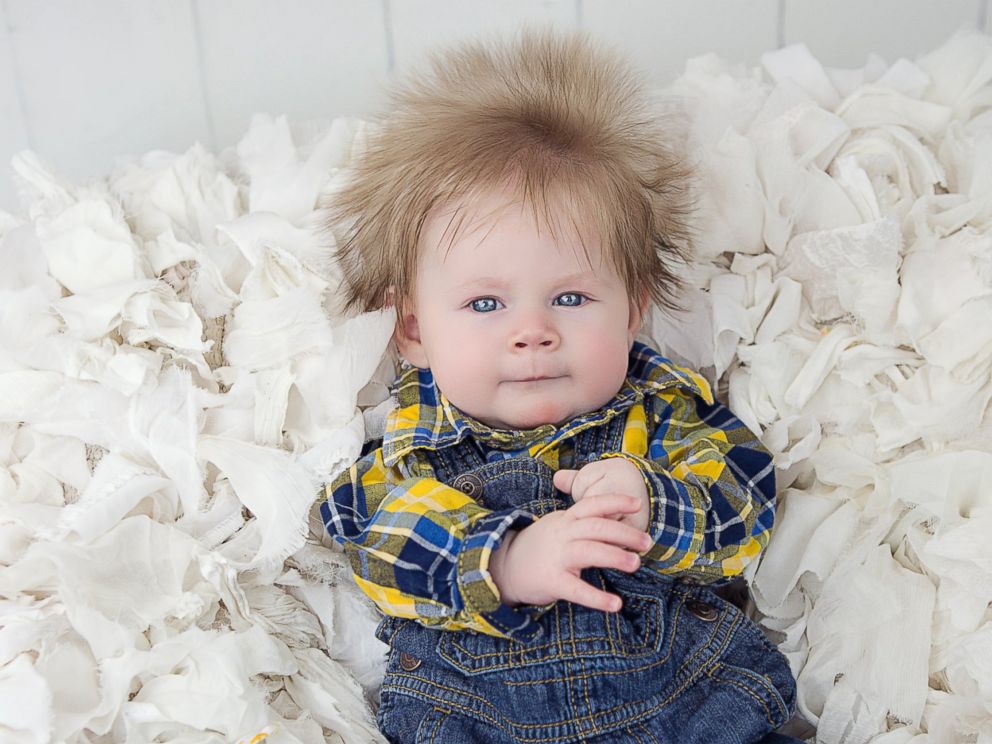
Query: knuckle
{"type": "Point", "coordinates": [597, 528]}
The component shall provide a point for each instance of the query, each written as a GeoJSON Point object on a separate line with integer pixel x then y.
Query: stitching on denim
{"type": "Point", "coordinates": [663, 660]}
{"type": "Point", "coordinates": [576, 680]}
{"type": "Point", "coordinates": [525, 657]}
{"type": "Point", "coordinates": [658, 662]}
{"type": "Point", "coordinates": [765, 684]}
{"type": "Point", "coordinates": [647, 732]}
{"type": "Point", "coordinates": [433, 683]}
{"type": "Point", "coordinates": [496, 723]}
{"type": "Point", "coordinates": [542, 478]}
{"type": "Point", "coordinates": [443, 715]}
{"type": "Point", "coordinates": [741, 686]}
{"type": "Point", "coordinates": [471, 712]}
{"type": "Point", "coordinates": [576, 721]}
{"type": "Point", "coordinates": [566, 660]}
{"type": "Point", "coordinates": [602, 438]}
{"type": "Point", "coordinates": [703, 669]}
{"type": "Point", "coordinates": [637, 738]}
{"type": "Point", "coordinates": [386, 704]}
{"type": "Point", "coordinates": [752, 629]}
{"type": "Point", "coordinates": [649, 641]}
{"type": "Point", "coordinates": [613, 632]}
{"type": "Point", "coordinates": [734, 622]}
{"type": "Point", "coordinates": [585, 694]}
{"type": "Point", "coordinates": [690, 679]}
{"type": "Point", "coordinates": [463, 708]}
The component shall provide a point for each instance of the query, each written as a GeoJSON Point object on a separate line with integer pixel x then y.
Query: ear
{"type": "Point", "coordinates": [638, 309]}
{"type": "Point", "coordinates": [406, 334]}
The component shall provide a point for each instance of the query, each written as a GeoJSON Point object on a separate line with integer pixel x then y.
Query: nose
{"type": "Point", "coordinates": [535, 331]}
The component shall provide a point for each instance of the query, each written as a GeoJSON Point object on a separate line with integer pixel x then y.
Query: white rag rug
{"type": "Point", "coordinates": [176, 381]}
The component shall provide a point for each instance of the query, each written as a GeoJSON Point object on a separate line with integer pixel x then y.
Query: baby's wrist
{"type": "Point", "coordinates": [498, 569]}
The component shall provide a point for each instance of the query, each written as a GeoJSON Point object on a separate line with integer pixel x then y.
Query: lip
{"type": "Point", "coordinates": [536, 379]}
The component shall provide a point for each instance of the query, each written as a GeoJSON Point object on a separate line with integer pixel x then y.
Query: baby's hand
{"type": "Point", "coordinates": [542, 562]}
{"type": "Point", "coordinates": [602, 477]}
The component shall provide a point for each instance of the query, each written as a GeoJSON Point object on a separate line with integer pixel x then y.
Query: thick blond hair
{"type": "Point", "coordinates": [563, 123]}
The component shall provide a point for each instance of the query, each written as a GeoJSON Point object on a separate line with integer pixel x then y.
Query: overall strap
{"type": "Point", "coordinates": [591, 443]}
{"type": "Point", "coordinates": [449, 462]}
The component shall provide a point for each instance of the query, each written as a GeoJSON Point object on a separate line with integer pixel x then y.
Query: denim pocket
{"type": "Point", "coordinates": [617, 641]}
{"type": "Point", "coordinates": [409, 720]}
{"type": "Point", "coordinates": [432, 728]}
{"type": "Point", "coordinates": [386, 628]}
{"type": "Point", "coordinates": [477, 653]}
{"type": "Point", "coordinates": [754, 691]}
{"type": "Point", "coordinates": [640, 625]}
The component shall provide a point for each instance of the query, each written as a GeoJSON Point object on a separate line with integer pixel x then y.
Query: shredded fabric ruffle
{"type": "Point", "coordinates": [176, 380]}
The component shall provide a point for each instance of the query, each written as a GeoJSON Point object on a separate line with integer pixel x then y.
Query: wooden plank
{"type": "Point", "coordinates": [660, 36]}
{"type": "Point", "coordinates": [309, 59]}
{"type": "Point", "coordinates": [842, 33]}
{"type": "Point", "coordinates": [14, 135]}
{"type": "Point", "coordinates": [108, 79]}
{"type": "Point", "coordinates": [419, 27]}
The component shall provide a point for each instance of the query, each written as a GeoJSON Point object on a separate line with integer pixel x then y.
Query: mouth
{"type": "Point", "coordinates": [534, 379]}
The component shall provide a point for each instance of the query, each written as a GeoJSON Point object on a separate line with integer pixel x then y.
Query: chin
{"type": "Point", "coordinates": [546, 415]}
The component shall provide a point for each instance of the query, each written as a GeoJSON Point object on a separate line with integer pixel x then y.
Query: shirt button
{"type": "Point", "coordinates": [408, 662]}
{"type": "Point", "coordinates": [468, 483]}
{"type": "Point", "coordinates": [705, 612]}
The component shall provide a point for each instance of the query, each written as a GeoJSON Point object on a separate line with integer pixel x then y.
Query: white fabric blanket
{"type": "Point", "coordinates": [176, 380]}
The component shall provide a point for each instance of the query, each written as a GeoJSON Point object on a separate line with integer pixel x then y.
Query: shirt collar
{"type": "Point", "coordinates": [425, 418]}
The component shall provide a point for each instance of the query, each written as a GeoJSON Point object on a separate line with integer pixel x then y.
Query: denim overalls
{"type": "Point", "coordinates": [676, 665]}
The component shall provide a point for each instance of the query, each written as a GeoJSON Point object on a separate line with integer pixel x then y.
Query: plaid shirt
{"type": "Point", "coordinates": [421, 549]}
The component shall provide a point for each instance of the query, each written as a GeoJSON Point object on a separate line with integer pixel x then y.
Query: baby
{"type": "Point", "coordinates": [552, 499]}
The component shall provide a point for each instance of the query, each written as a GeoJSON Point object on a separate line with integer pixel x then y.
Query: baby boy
{"type": "Point", "coordinates": [552, 499]}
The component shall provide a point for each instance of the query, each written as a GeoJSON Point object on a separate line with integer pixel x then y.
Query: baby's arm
{"type": "Point", "coordinates": [423, 550]}
{"type": "Point", "coordinates": [709, 483]}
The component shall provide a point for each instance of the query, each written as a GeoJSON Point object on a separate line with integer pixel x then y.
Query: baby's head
{"type": "Point", "coordinates": [521, 208]}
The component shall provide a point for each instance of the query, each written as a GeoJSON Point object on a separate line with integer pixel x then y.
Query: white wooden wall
{"type": "Point", "coordinates": [83, 82]}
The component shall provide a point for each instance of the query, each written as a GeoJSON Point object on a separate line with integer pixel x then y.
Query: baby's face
{"type": "Point", "coordinates": [516, 326]}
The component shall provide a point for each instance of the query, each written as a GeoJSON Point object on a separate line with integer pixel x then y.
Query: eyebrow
{"type": "Point", "coordinates": [491, 281]}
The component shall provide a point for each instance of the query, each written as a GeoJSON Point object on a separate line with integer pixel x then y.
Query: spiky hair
{"type": "Point", "coordinates": [563, 123]}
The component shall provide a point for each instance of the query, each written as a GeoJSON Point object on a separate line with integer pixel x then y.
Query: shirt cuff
{"type": "Point", "coordinates": [479, 592]}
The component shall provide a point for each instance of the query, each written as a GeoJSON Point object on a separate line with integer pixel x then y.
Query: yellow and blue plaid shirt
{"type": "Point", "coordinates": [421, 549]}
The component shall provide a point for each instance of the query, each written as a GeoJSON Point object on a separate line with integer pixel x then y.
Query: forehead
{"type": "Point", "coordinates": [465, 233]}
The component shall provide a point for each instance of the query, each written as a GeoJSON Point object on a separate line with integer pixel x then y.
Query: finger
{"type": "Point", "coordinates": [589, 554]}
{"type": "Point", "coordinates": [563, 479]}
{"type": "Point", "coordinates": [607, 530]}
{"type": "Point", "coordinates": [573, 589]}
{"type": "Point", "coordinates": [584, 484]}
{"type": "Point", "coordinates": [605, 505]}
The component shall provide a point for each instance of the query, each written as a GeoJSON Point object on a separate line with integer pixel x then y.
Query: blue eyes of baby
{"type": "Point", "coordinates": [488, 304]}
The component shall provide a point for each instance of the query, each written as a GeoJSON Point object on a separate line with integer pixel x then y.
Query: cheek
{"type": "Point", "coordinates": [462, 345]}
{"type": "Point", "coordinates": [456, 370]}
{"type": "Point", "coordinates": [605, 355]}
{"type": "Point", "coordinates": [462, 361]}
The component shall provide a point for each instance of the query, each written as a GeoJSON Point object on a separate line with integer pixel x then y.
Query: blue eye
{"type": "Point", "coordinates": [571, 299]}
{"type": "Point", "coordinates": [484, 304]}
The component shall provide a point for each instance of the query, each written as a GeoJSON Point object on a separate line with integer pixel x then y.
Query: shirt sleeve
{"type": "Point", "coordinates": [711, 484]}
{"type": "Point", "coordinates": [421, 549]}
